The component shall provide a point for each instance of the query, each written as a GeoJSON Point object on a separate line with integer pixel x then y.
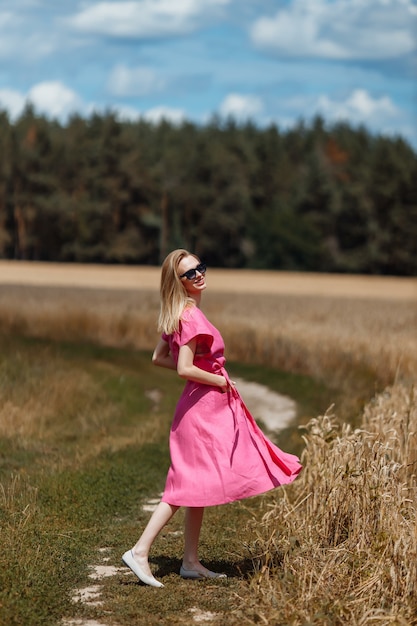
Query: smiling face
{"type": "Point", "coordinates": [194, 286]}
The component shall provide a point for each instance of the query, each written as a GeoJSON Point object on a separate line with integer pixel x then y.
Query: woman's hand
{"type": "Point", "coordinates": [226, 384]}
{"type": "Point", "coordinates": [223, 383]}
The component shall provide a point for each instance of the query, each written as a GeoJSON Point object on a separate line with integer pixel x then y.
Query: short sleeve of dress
{"type": "Point", "coordinates": [193, 325]}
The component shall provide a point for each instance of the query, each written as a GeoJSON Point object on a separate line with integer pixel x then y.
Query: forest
{"type": "Point", "coordinates": [104, 190]}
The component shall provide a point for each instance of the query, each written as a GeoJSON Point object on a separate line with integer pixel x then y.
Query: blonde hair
{"type": "Point", "coordinates": [174, 298]}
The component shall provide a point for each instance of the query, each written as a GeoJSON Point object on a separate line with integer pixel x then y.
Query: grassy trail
{"type": "Point", "coordinates": [83, 445]}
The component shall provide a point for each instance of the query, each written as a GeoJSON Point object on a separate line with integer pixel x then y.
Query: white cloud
{"type": "Point", "coordinates": [6, 20]}
{"type": "Point", "coordinates": [51, 98]}
{"type": "Point", "coordinates": [12, 101]}
{"type": "Point", "coordinates": [379, 114]}
{"type": "Point", "coordinates": [7, 36]}
{"type": "Point", "coordinates": [136, 81]}
{"type": "Point", "coordinates": [360, 106]}
{"type": "Point", "coordinates": [157, 114]}
{"type": "Point", "coordinates": [144, 18]}
{"type": "Point", "coordinates": [339, 29]}
{"type": "Point", "coordinates": [127, 113]}
{"type": "Point", "coordinates": [23, 38]}
{"type": "Point", "coordinates": [240, 106]}
{"type": "Point", "coordinates": [54, 99]}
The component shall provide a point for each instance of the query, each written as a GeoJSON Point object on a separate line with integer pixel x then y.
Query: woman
{"type": "Point", "coordinates": [218, 453]}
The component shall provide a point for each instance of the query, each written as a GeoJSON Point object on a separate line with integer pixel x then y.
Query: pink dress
{"type": "Point", "coordinates": [218, 452]}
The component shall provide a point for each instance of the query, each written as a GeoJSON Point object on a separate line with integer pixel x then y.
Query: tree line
{"type": "Point", "coordinates": [312, 198]}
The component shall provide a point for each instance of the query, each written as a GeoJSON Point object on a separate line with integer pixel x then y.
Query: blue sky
{"type": "Point", "coordinates": [269, 61]}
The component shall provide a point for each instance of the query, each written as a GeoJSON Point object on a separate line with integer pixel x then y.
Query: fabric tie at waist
{"type": "Point", "coordinates": [231, 388]}
{"type": "Point", "coordinates": [269, 451]}
{"type": "Point", "coordinates": [232, 394]}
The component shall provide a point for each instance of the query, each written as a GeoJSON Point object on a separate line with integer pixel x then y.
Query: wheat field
{"type": "Point", "coordinates": [339, 547]}
{"type": "Point", "coordinates": [326, 326]}
{"type": "Point", "coordinates": [220, 280]}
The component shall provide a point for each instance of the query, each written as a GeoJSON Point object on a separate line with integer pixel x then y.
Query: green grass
{"type": "Point", "coordinates": [83, 445]}
{"type": "Point", "coordinates": [59, 520]}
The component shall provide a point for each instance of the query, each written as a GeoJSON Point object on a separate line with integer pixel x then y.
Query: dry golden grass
{"type": "Point", "coordinates": [347, 542]}
{"type": "Point", "coordinates": [322, 336]}
{"type": "Point", "coordinates": [46, 398]}
{"type": "Point", "coordinates": [220, 280]}
{"type": "Point", "coordinates": [325, 326]}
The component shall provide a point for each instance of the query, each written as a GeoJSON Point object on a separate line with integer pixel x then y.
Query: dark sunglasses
{"type": "Point", "coordinates": [191, 274]}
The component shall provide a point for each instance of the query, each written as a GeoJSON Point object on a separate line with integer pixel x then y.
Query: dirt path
{"type": "Point", "coordinates": [274, 410]}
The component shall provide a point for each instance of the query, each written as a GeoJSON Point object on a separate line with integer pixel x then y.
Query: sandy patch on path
{"type": "Point", "coordinates": [273, 409]}
{"type": "Point", "coordinates": [222, 280]}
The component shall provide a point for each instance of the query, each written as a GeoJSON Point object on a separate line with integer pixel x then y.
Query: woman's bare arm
{"type": "Point", "coordinates": [187, 369]}
{"type": "Point", "coordinates": [162, 355]}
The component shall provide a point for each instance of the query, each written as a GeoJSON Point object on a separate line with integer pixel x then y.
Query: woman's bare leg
{"type": "Point", "coordinates": [160, 517]}
{"type": "Point", "coordinates": [191, 566]}
{"type": "Point", "coordinates": [193, 521]}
